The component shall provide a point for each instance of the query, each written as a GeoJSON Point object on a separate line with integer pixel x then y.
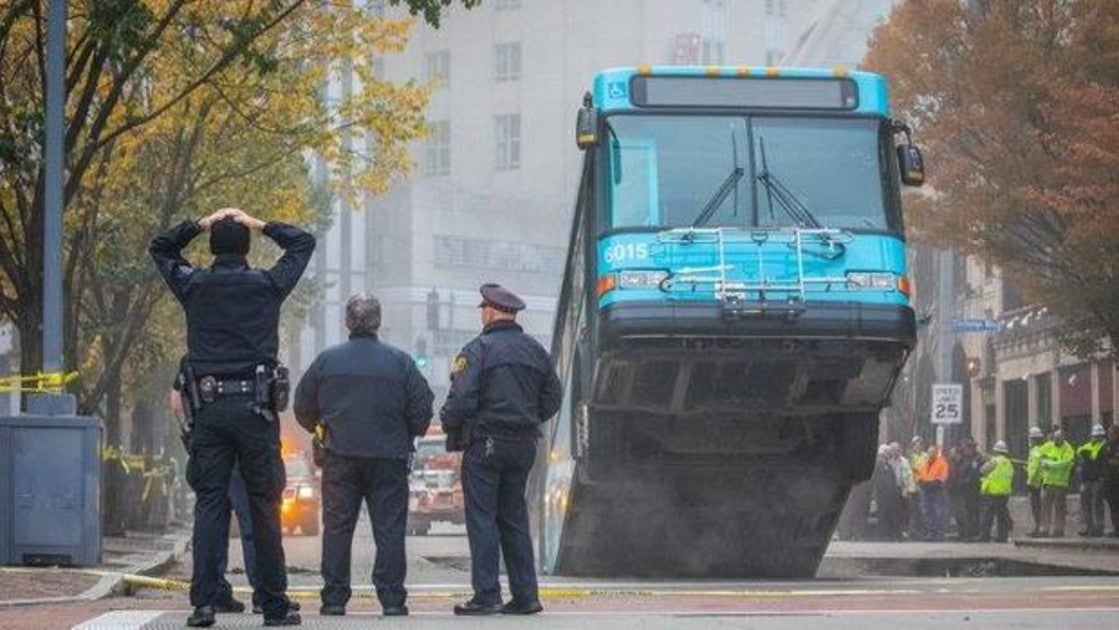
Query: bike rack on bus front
{"type": "Point", "coordinates": [744, 296]}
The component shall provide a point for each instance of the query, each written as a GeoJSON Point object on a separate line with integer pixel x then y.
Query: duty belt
{"type": "Point", "coordinates": [211, 388]}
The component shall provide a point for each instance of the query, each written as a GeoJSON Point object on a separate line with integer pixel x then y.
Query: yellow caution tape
{"type": "Point", "coordinates": [41, 383]}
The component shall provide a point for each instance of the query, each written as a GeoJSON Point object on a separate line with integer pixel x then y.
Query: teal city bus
{"type": "Point", "coordinates": [734, 312]}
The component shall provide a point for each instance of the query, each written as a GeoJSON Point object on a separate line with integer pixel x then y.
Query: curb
{"type": "Point", "coordinates": [1082, 544]}
{"type": "Point", "coordinates": [117, 584]}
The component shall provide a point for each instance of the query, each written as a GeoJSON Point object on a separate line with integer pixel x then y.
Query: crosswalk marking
{"type": "Point", "coordinates": [121, 620]}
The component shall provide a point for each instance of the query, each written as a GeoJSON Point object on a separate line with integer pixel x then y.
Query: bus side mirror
{"type": "Point", "coordinates": [586, 126]}
{"type": "Point", "coordinates": [911, 164]}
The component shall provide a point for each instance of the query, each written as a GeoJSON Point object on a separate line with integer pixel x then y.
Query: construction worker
{"type": "Point", "coordinates": [998, 476]}
{"type": "Point", "coordinates": [1110, 460]}
{"type": "Point", "coordinates": [1091, 482]}
{"type": "Point", "coordinates": [932, 474]}
{"type": "Point", "coordinates": [1057, 459]}
{"type": "Point", "coordinates": [915, 458]}
{"type": "Point", "coordinates": [1033, 477]}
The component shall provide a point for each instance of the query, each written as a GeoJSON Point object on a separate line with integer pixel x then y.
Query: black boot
{"type": "Point", "coordinates": [522, 608]}
{"type": "Point", "coordinates": [202, 617]}
{"type": "Point", "coordinates": [290, 618]}
{"type": "Point", "coordinates": [396, 610]}
{"type": "Point", "coordinates": [473, 608]}
{"type": "Point", "coordinates": [229, 605]}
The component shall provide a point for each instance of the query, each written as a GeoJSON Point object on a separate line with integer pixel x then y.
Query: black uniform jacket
{"type": "Point", "coordinates": [232, 310]}
{"type": "Point", "coordinates": [370, 397]}
{"type": "Point", "coordinates": [504, 382]}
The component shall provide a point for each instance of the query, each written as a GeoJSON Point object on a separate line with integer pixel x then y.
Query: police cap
{"type": "Point", "coordinates": [498, 297]}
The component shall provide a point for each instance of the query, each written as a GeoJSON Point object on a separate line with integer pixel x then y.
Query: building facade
{"type": "Point", "coordinates": [491, 195]}
{"type": "Point", "coordinates": [1008, 356]}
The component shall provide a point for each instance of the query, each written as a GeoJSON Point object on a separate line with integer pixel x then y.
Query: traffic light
{"type": "Point", "coordinates": [422, 360]}
{"type": "Point", "coordinates": [433, 310]}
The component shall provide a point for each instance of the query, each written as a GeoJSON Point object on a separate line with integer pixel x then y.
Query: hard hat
{"type": "Point", "coordinates": [1000, 447]}
{"type": "Point", "coordinates": [916, 439]}
{"type": "Point", "coordinates": [1098, 430]}
{"type": "Point", "coordinates": [1036, 433]}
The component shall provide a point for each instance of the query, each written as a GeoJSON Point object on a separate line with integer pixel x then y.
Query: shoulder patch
{"type": "Point", "coordinates": [459, 364]}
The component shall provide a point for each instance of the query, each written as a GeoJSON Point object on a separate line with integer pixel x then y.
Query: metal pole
{"type": "Point", "coordinates": [52, 187]}
{"type": "Point", "coordinates": [944, 303]}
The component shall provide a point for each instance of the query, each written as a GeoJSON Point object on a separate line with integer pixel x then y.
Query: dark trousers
{"type": "Point", "coordinates": [934, 510]}
{"type": "Point", "coordinates": [494, 473]}
{"type": "Point", "coordinates": [227, 433]}
{"type": "Point", "coordinates": [995, 508]}
{"type": "Point", "coordinates": [965, 509]}
{"type": "Point", "coordinates": [1112, 494]}
{"type": "Point", "coordinates": [1035, 506]}
{"type": "Point", "coordinates": [382, 483]}
{"type": "Point", "coordinates": [239, 501]}
{"type": "Point", "coordinates": [1091, 506]}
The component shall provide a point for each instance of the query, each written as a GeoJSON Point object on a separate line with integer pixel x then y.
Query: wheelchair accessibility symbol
{"type": "Point", "coordinates": [616, 89]}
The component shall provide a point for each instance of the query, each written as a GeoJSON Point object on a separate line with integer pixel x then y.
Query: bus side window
{"type": "Point", "coordinates": [636, 196]}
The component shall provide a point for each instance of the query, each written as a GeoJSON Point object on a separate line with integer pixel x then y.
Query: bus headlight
{"type": "Point", "coordinates": [872, 281]}
{"type": "Point", "coordinates": [641, 278]}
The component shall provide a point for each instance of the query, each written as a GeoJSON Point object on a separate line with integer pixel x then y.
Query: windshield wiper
{"type": "Point", "coordinates": [720, 195]}
{"type": "Point", "coordinates": [615, 154]}
{"type": "Point", "coordinates": [776, 189]}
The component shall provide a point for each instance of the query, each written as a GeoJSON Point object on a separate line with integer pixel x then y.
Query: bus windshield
{"type": "Point", "coordinates": [749, 171]}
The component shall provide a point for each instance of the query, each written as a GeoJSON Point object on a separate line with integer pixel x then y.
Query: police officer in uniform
{"type": "Point", "coordinates": [233, 315]}
{"type": "Point", "coordinates": [372, 402]}
{"type": "Point", "coordinates": [503, 386]}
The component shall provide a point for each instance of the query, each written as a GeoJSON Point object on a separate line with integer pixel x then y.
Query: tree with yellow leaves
{"type": "Point", "coordinates": [175, 107]}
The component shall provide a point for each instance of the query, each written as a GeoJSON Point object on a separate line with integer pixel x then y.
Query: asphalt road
{"type": "Point", "coordinates": [438, 579]}
{"type": "Point", "coordinates": [862, 604]}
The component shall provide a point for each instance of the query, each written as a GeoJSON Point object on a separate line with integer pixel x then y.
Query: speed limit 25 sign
{"type": "Point", "coordinates": [947, 403]}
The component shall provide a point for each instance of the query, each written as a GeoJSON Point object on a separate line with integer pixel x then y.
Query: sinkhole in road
{"type": "Point", "coordinates": [977, 566]}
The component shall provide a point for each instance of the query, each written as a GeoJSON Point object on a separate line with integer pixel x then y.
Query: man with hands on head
{"type": "Point", "coordinates": [236, 387]}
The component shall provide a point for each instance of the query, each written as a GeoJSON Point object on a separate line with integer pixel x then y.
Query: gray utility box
{"type": "Point", "coordinates": [50, 490]}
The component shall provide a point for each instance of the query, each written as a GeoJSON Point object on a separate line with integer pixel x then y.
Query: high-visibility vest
{"type": "Point", "coordinates": [1092, 448]}
{"type": "Point", "coordinates": [997, 481]}
{"type": "Point", "coordinates": [1033, 467]}
{"type": "Point", "coordinates": [933, 469]}
{"type": "Point", "coordinates": [1058, 463]}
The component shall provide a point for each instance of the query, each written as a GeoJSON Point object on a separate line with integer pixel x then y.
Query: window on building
{"type": "Point", "coordinates": [456, 252]}
{"type": "Point", "coordinates": [505, 5]}
{"type": "Point", "coordinates": [437, 67]}
{"type": "Point", "coordinates": [769, 4]}
{"type": "Point", "coordinates": [437, 148]}
{"type": "Point", "coordinates": [781, 8]}
{"type": "Point", "coordinates": [507, 61]}
{"type": "Point", "coordinates": [507, 142]}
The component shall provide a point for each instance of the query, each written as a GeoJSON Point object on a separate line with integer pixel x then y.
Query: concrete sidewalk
{"type": "Point", "coordinates": [135, 553]}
